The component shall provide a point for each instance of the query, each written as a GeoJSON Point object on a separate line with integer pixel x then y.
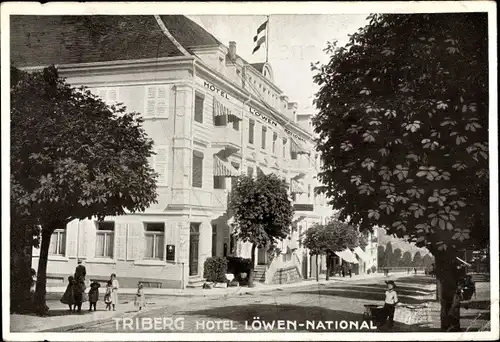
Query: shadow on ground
{"type": "Point", "coordinates": [359, 293]}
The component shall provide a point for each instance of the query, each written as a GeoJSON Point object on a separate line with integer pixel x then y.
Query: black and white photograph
{"type": "Point", "coordinates": [250, 171]}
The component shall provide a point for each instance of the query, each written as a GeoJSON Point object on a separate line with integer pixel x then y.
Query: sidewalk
{"type": "Point", "coordinates": [240, 290]}
{"type": "Point", "coordinates": [59, 316]}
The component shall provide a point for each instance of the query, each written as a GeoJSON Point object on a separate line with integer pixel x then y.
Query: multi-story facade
{"type": "Point", "coordinates": [212, 116]}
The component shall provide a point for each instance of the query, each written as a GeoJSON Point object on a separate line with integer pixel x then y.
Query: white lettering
{"type": "Point", "coordinates": [147, 323]}
{"type": "Point", "coordinates": [128, 323]}
{"type": "Point", "coordinates": [200, 325]}
{"type": "Point", "coordinates": [344, 325]}
{"type": "Point", "coordinates": [310, 325]}
{"type": "Point", "coordinates": [353, 325]}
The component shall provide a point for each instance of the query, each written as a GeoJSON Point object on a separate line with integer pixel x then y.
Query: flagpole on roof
{"type": "Point", "coordinates": [267, 40]}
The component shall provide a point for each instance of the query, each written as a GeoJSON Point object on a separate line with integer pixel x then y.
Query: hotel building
{"type": "Point", "coordinates": [212, 116]}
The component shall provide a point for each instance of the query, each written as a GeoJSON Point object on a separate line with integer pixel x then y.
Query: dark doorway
{"type": "Point", "coordinates": [194, 241]}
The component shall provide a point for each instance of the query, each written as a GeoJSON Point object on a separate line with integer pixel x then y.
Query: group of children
{"type": "Point", "coordinates": [93, 295]}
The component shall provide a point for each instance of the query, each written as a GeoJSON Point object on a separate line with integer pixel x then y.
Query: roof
{"type": "Point", "coordinates": [38, 40]}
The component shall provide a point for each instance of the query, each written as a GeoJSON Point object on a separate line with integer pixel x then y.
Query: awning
{"type": "Point", "coordinates": [296, 187]}
{"type": "Point", "coordinates": [362, 254]}
{"type": "Point", "coordinates": [224, 169]}
{"type": "Point", "coordinates": [221, 109]}
{"type": "Point", "coordinates": [263, 170]}
{"type": "Point", "coordinates": [298, 147]}
{"type": "Point", "coordinates": [347, 256]}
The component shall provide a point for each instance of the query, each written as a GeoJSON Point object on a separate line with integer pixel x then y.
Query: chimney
{"type": "Point", "coordinates": [232, 51]}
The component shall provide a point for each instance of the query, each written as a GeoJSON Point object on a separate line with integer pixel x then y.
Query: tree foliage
{"type": "Point", "coordinates": [333, 237]}
{"type": "Point", "coordinates": [72, 157]}
{"type": "Point", "coordinates": [406, 261]}
{"type": "Point", "coordinates": [262, 210]}
{"type": "Point", "coordinates": [417, 260]}
{"type": "Point", "coordinates": [403, 127]}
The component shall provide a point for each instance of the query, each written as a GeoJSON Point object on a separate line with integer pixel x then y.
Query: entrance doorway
{"type": "Point", "coordinates": [262, 256]}
{"type": "Point", "coordinates": [194, 241]}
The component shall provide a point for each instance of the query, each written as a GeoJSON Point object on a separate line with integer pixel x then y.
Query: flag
{"type": "Point", "coordinates": [260, 39]}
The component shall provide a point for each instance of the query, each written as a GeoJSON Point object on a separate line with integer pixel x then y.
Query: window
{"type": "Point", "coordinates": [264, 131]}
{"type": "Point", "coordinates": [154, 233]}
{"type": "Point", "coordinates": [236, 124]}
{"type": "Point", "coordinates": [214, 240]}
{"type": "Point", "coordinates": [219, 182]}
{"type": "Point", "coordinates": [198, 107]}
{"type": "Point", "coordinates": [220, 120]}
{"type": "Point", "coordinates": [309, 191]}
{"type": "Point", "coordinates": [284, 147]}
{"type": "Point", "coordinates": [197, 181]}
{"type": "Point", "coordinates": [58, 242]}
{"type": "Point", "coordinates": [293, 155]}
{"type": "Point", "coordinates": [251, 128]}
{"type": "Point", "coordinates": [105, 239]}
{"type": "Point", "coordinates": [275, 137]}
{"type": "Point", "coordinates": [250, 171]}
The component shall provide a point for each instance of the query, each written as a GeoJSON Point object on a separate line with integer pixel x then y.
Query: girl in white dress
{"type": "Point", "coordinates": [114, 291]}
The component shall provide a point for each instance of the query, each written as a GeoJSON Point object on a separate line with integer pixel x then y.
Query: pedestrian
{"type": "Point", "coordinates": [33, 281]}
{"type": "Point", "coordinates": [80, 271]}
{"type": "Point", "coordinates": [140, 301]}
{"type": "Point", "coordinates": [350, 272]}
{"type": "Point", "coordinates": [407, 271]}
{"type": "Point", "coordinates": [79, 294]}
{"type": "Point", "coordinates": [69, 296]}
{"type": "Point", "coordinates": [107, 295]}
{"type": "Point", "coordinates": [114, 292]}
{"type": "Point", "coordinates": [94, 295]}
{"type": "Point", "coordinates": [415, 269]}
{"type": "Point", "coordinates": [343, 271]}
{"type": "Point", "coordinates": [391, 299]}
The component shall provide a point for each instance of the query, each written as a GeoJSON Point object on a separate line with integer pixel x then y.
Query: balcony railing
{"type": "Point", "coordinates": [220, 198]}
{"type": "Point", "coordinates": [226, 136]}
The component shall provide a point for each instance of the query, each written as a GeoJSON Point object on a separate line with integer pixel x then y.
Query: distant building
{"type": "Point", "coordinates": [212, 117]}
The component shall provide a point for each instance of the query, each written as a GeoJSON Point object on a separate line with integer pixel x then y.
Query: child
{"type": "Point", "coordinates": [107, 295]}
{"type": "Point", "coordinates": [140, 301]}
{"type": "Point", "coordinates": [94, 295]}
{"type": "Point", "coordinates": [391, 299]}
{"type": "Point", "coordinates": [69, 295]}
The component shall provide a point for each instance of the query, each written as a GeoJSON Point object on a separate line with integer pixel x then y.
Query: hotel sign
{"type": "Point", "coordinates": [303, 207]}
{"type": "Point", "coordinates": [225, 95]}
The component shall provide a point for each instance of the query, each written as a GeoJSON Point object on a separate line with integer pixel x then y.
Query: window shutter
{"type": "Point", "coordinates": [264, 132]}
{"type": "Point", "coordinates": [136, 241]}
{"type": "Point", "coordinates": [151, 102]}
{"type": "Point", "coordinates": [71, 238]}
{"type": "Point", "coordinates": [82, 237]}
{"type": "Point", "coordinates": [198, 108]}
{"type": "Point", "coordinates": [251, 127]}
{"type": "Point", "coordinates": [161, 104]}
{"type": "Point", "coordinates": [112, 97]}
{"type": "Point", "coordinates": [101, 92]}
{"type": "Point", "coordinates": [197, 181]}
{"type": "Point", "coordinates": [121, 240]}
{"type": "Point", "coordinates": [160, 165]}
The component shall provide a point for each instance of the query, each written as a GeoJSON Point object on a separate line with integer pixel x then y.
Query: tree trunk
{"type": "Point", "coordinates": [251, 275]}
{"type": "Point", "coordinates": [20, 269]}
{"type": "Point", "coordinates": [317, 268]}
{"type": "Point", "coordinates": [327, 266]}
{"type": "Point", "coordinates": [447, 277]}
{"type": "Point", "coordinates": [41, 284]}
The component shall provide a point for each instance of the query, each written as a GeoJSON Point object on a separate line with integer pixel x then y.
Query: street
{"type": "Point", "coordinates": [306, 308]}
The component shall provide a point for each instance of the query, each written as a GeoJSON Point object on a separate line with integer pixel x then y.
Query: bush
{"type": "Point", "coordinates": [237, 266]}
{"type": "Point", "coordinates": [374, 269]}
{"type": "Point", "coordinates": [215, 269]}
{"type": "Point", "coordinates": [368, 272]}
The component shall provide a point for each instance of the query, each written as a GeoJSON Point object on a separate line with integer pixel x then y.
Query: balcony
{"type": "Point", "coordinates": [220, 198]}
{"type": "Point", "coordinates": [303, 207]}
{"type": "Point", "coordinates": [191, 198]}
{"type": "Point", "coordinates": [226, 137]}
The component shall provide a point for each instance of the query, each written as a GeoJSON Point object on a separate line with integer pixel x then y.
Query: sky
{"type": "Point", "coordinates": [295, 41]}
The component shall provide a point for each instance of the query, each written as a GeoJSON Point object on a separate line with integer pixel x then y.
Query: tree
{"type": "Point", "coordinates": [262, 211]}
{"type": "Point", "coordinates": [427, 260]}
{"type": "Point", "coordinates": [381, 256]}
{"type": "Point", "coordinates": [396, 257]}
{"type": "Point", "coordinates": [403, 132]}
{"type": "Point", "coordinates": [388, 255]}
{"type": "Point", "coordinates": [406, 261]}
{"type": "Point", "coordinates": [327, 239]}
{"type": "Point", "coordinates": [417, 260]}
{"type": "Point", "coordinates": [72, 157]}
